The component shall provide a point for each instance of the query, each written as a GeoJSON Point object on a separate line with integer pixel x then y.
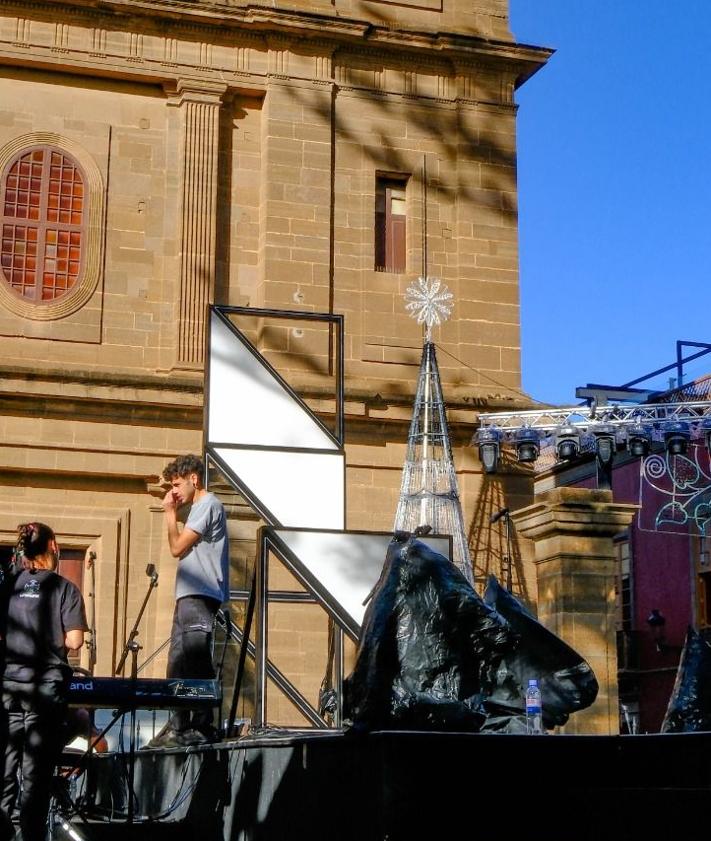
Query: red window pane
{"type": "Point", "coordinates": [45, 187]}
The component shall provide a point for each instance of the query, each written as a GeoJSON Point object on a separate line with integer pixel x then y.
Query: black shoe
{"type": "Point", "coordinates": [193, 737]}
{"type": "Point", "coordinates": [167, 738]}
{"type": "Point", "coordinates": [210, 734]}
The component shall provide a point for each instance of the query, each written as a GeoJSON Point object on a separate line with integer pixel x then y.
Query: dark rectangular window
{"type": "Point", "coordinates": [626, 636]}
{"type": "Point", "coordinates": [624, 586]}
{"type": "Point", "coordinates": [390, 227]}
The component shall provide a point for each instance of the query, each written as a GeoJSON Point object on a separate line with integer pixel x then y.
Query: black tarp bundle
{"type": "Point", "coordinates": [689, 709]}
{"type": "Point", "coordinates": [434, 656]}
{"type": "Point", "coordinates": [429, 646]}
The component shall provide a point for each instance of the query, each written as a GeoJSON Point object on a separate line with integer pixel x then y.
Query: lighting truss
{"type": "Point", "coordinates": [579, 430]}
{"type": "Point", "coordinates": [546, 421]}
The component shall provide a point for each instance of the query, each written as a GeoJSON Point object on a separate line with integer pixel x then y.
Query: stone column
{"type": "Point", "coordinates": [576, 568]}
{"type": "Point", "coordinates": [199, 103]}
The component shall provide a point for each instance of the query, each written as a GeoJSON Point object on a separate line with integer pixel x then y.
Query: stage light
{"type": "Point", "coordinates": [489, 438]}
{"type": "Point", "coordinates": [605, 442]}
{"type": "Point", "coordinates": [639, 440]}
{"type": "Point", "coordinates": [705, 430]}
{"type": "Point", "coordinates": [676, 437]}
{"type": "Point", "coordinates": [567, 442]}
{"type": "Point", "coordinates": [528, 444]}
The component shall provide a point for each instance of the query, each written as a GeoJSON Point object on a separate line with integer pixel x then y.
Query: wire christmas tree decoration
{"type": "Point", "coordinates": [429, 494]}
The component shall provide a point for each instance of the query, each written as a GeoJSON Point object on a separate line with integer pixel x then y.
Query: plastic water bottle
{"type": "Point", "coordinates": [534, 715]}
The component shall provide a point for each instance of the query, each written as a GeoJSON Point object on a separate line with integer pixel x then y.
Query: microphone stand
{"type": "Point", "coordinates": [91, 643]}
{"type": "Point", "coordinates": [150, 571]}
{"type": "Point", "coordinates": [133, 647]}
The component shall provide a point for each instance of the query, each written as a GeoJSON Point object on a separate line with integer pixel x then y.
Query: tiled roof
{"type": "Point", "coordinates": [699, 389]}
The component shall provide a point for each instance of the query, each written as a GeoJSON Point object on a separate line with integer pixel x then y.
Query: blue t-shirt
{"type": "Point", "coordinates": [204, 569]}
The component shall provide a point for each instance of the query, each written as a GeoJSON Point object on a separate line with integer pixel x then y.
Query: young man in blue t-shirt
{"type": "Point", "coordinates": [201, 585]}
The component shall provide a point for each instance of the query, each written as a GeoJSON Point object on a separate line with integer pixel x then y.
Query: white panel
{"type": "Point", "coordinates": [347, 565]}
{"type": "Point", "coordinates": [248, 405]}
{"type": "Point", "coordinates": [300, 489]}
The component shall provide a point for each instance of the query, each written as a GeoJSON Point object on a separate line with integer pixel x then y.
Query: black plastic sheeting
{"type": "Point", "coordinates": [429, 647]}
{"type": "Point", "coordinates": [434, 656]}
{"type": "Point", "coordinates": [689, 709]}
{"type": "Point", "coordinates": [566, 681]}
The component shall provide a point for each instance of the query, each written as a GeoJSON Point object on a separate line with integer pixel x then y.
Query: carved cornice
{"type": "Point", "coordinates": [302, 25]}
{"type": "Point", "coordinates": [242, 33]}
{"type": "Point", "coordinates": [28, 380]}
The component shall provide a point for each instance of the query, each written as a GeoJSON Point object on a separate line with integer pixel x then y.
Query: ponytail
{"type": "Point", "coordinates": [33, 544]}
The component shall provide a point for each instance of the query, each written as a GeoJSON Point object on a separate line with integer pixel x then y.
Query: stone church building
{"type": "Point", "coordinates": [158, 156]}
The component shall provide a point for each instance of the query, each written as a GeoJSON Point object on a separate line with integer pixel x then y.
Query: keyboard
{"type": "Point", "coordinates": [143, 693]}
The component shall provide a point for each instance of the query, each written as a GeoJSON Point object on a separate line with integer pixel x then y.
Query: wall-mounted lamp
{"type": "Point", "coordinates": [656, 622]}
{"type": "Point", "coordinates": [567, 442]}
{"type": "Point", "coordinates": [489, 440]}
{"type": "Point", "coordinates": [676, 437]}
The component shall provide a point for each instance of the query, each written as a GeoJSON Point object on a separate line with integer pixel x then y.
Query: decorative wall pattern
{"type": "Point", "coordinates": [675, 493]}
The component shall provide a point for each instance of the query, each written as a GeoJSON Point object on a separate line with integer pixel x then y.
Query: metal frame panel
{"type": "Point", "coordinates": [288, 486]}
{"type": "Point", "coordinates": [335, 322]}
{"type": "Point", "coordinates": [273, 540]}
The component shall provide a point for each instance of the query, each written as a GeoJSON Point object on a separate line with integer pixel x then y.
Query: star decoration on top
{"type": "Point", "coordinates": [429, 302]}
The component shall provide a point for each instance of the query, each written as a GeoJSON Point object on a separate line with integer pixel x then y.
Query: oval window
{"type": "Point", "coordinates": [43, 203]}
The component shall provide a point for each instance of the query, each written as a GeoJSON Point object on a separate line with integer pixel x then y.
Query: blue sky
{"type": "Point", "coordinates": [614, 157]}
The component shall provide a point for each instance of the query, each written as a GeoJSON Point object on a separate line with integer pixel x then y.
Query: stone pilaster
{"type": "Point", "coordinates": [199, 103]}
{"type": "Point", "coordinates": [576, 566]}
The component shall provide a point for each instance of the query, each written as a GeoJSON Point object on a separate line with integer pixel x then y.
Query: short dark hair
{"type": "Point", "coordinates": [183, 466]}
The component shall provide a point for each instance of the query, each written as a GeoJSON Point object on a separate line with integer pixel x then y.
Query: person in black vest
{"type": "Point", "coordinates": [43, 617]}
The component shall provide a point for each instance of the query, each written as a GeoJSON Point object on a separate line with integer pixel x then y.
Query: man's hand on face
{"type": "Point", "coordinates": [170, 502]}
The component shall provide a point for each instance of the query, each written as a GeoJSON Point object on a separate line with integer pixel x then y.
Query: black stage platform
{"type": "Point", "coordinates": [406, 785]}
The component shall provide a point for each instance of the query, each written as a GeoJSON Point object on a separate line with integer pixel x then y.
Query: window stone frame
{"type": "Point", "coordinates": [92, 236]}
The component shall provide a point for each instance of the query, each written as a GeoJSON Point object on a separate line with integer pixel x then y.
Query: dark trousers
{"type": "Point", "coordinates": [190, 652]}
{"type": "Point", "coordinates": [35, 712]}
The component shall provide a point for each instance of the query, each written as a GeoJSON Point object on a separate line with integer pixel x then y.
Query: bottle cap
{"type": "Point", "coordinates": [532, 682]}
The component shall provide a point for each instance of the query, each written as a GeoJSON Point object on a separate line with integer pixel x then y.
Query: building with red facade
{"type": "Point", "coordinates": [664, 576]}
